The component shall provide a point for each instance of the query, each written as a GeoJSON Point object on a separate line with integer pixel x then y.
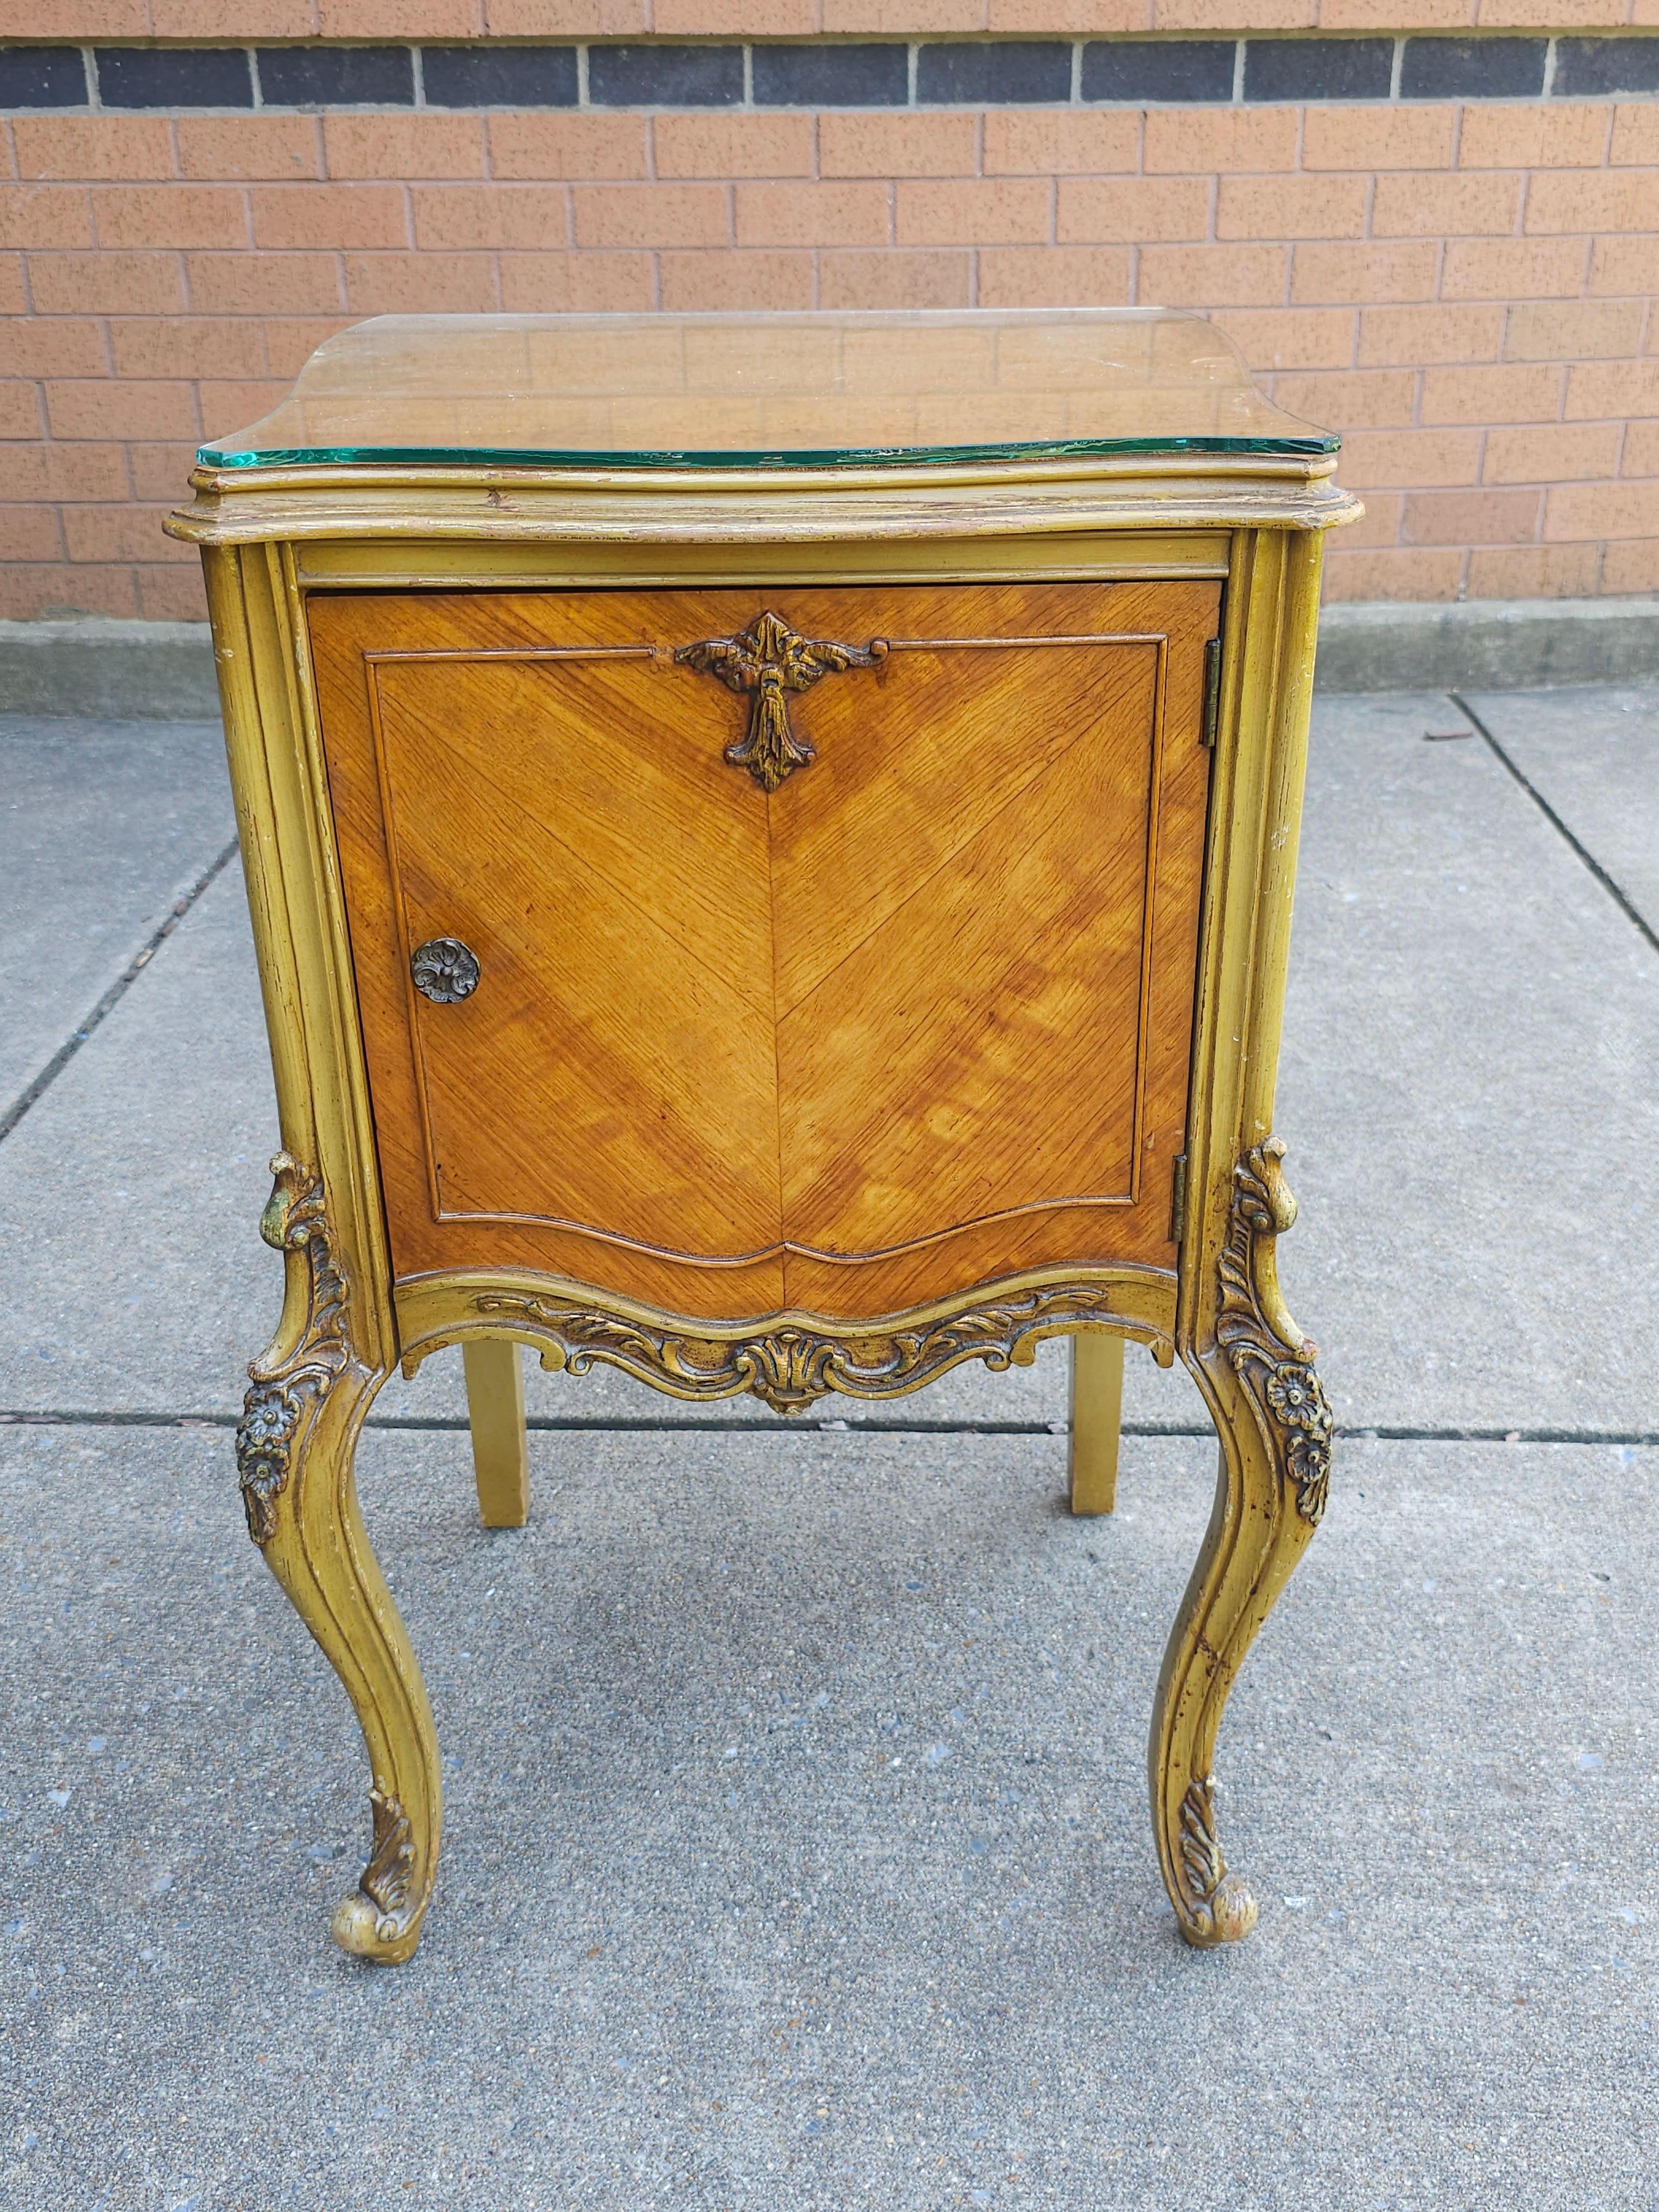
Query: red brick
{"type": "Point", "coordinates": [894, 279]}
{"type": "Point", "coordinates": [1213, 276]}
{"type": "Point", "coordinates": [1556, 454]}
{"type": "Point", "coordinates": [1615, 388]}
{"type": "Point", "coordinates": [28, 590]}
{"type": "Point", "coordinates": [32, 533]}
{"type": "Point", "coordinates": [324, 216]}
{"type": "Point", "coordinates": [566, 19]}
{"type": "Point", "coordinates": [110, 147]}
{"type": "Point", "coordinates": [564, 148]}
{"type": "Point", "coordinates": [63, 472]}
{"type": "Point", "coordinates": [914, 17]}
{"type": "Point", "coordinates": [1054, 276]}
{"type": "Point", "coordinates": [214, 20]}
{"type": "Point", "coordinates": [1357, 399]}
{"type": "Point", "coordinates": [1291, 206]}
{"type": "Point", "coordinates": [290, 342]}
{"type": "Point", "coordinates": [1470, 518]}
{"type": "Point", "coordinates": [44, 214]}
{"type": "Point", "coordinates": [1557, 14]}
{"type": "Point", "coordinates": [1234, 15]}
{"type": "Point", "coordinates": [1602, 510]}
{"type": "Point", "coordinates": [120, 533]}
{"type": "Point", "coordinates": [106, 284]}
{"type": "Point", "coordinates": [1588, 330]}
{"type": "Point", "coordinates": [1414, 335]}
{"type": "Point", "coordinates": [1631, 566]}
{"type": "Point", "coordinates": [397, 146]}
{"type": "Point", "coordinates": [694, 283]}
{"type": "Point", "coordinates": [443, 20]}
{"type": "Point", "coordinates": [106, 407]}
{"type": "Point", "coordinates": [1136, 210]}
{"type": "Point", "coordinates": [280, 148]}
{"type": "Point", "coordinates": [1514, 269]}
{"type": "Point", "coordinates": [467, 216]}
{"type": "Point", "coordinates": [185, 345]}
{"type": "Point", "coordinates": [262, 283]}
{"type": "Point", "coordinates": [226, 407]}
{"type": "Point", "coordinates": [1635, 135]}
{"type": "Point", "coordinates": [814, 215]}
{"type": "Point", "coordinates": [577, 283]}
{"type": "Point", "coordinates": [101, 19]}
{"type": "Point", "coordinates": [1624, 266]}
{"type": "Point", "coordinates": [421, 283]}
{"type": "Point", "coordinates": [1203, 141]}
{"type": "Point", "coordinates": [1046, 142]}
{"type": "Point", "coordinates": [897, 145]}
{"type": "Point", "coordinates": [1381, 137]}
{"type": "Point", "coordinates": [1051, 17]}
{"type": "Point", "coordinates": [1460, 206]}
{"type": "Point", "coordinates": [1408, 459]}
{"type": "Point", "coordinates": [732, 145]}
{"type": "Point", "coordinates": [785, 18]}
{"type": "Point", "coordinates": [1291, 337]}
{"type": "Point", "coordinates": [1416, 572]}
{"type": "Point", "coordinates": [20, 408]}
{"type": "Point", "coordinates": [654, 215]}
{"type": "Point", "coordinates": [51, 345]}
{"type": "Point", "coordinates": [1533, 571]}
{"type": "Point", "coordinates": [1510, 392]}
{"type": "Point", "coordinates": [1380, 523]}
{"type": "Point", "coordinates": [12, 300]}
{"type": "Point", "coordinates": [1532, 134]}
{"type": "Point", "coordinates": [161, 472]}
{"type": "Point", "coordinates": [1406, 269]}
{"type": "Point", "coordinates": [1591, 200]}
{"type": "Point", "coordinates": [172, 594]}
{"type": "Point", "coordinates": [170, 215]}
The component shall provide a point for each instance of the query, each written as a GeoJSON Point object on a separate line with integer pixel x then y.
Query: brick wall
{"type": "Point", "coordinates": [1462, 286]}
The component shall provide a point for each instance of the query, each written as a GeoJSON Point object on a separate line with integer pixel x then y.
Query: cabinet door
{"type": "Point", "coordinates": [524, 776]}
{"type": "Point", "coordinates": [917, 1014]}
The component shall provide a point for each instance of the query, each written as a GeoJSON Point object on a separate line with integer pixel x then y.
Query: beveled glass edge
{"type": "Point", "coordinates": [525, 457]}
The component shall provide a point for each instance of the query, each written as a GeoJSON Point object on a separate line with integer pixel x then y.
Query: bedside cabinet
{"type": "Point", "coordinates": [770, 843]}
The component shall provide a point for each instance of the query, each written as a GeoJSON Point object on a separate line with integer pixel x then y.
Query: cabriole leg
{"type": "Point", "coordinates": [1097, 1420]}
{"type": "Point", "coordinates": [1257, 1374]}
{"type": "Point", "coordinates": [294, 1450]}
{"type": "Point", "coordinates": [495, 1408]}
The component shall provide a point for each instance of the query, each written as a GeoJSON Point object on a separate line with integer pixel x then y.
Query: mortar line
{"type": "Point", "coordinates": [112, 998]}
{"type": "Point", "coordinates": [1633, 912]}
{"type": "Point", "coordinates": [649, 1425]}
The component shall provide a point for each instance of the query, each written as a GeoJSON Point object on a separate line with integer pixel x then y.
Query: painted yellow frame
{"type": "Point", "coordinates": [268, 536]}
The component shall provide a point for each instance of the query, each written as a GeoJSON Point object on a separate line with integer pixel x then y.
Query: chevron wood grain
{"type": "Point", "coordinates": [924, 1008]}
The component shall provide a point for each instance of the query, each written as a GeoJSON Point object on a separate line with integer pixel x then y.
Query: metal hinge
{"type": "Point", "coordinates": [1178, 1199]}
{"type": "Point", "coordinates": [1211, 689]}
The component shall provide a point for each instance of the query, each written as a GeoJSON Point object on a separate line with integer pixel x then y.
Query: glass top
{"type": "Point", "coordinates": [797, 391]}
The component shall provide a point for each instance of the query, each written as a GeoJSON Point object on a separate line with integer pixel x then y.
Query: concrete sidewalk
{"type": "Point", "coordinates": [797, 1850]}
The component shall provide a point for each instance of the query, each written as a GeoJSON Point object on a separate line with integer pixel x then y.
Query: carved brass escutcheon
{"type": "Point", "coordinates": [768, 660]}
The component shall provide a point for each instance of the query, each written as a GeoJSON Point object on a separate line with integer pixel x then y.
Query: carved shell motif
{"type": "Point", "coordinates": [792, 1364]}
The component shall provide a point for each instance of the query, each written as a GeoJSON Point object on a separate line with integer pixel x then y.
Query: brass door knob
{"type": "Point", "coordinates": [445, 970]}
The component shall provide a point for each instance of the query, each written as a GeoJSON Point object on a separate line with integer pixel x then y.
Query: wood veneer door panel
{"type": "Point", "coordinates": [983, 1048]}
{"type": "Point", "coordinates": [923, 1012]}
{"type": "Point", "coordinates": [615, 1071]}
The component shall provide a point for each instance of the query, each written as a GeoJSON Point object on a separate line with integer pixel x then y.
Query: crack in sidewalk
{"type": "Point", "coordinates": [1612, 887]}
{"type": "Point", "coordinates": [646, 1425]}
{"type": "Point", "coordinates": [117, 991]}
